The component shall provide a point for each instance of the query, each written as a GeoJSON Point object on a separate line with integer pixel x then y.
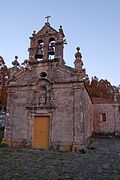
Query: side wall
{"type": "Point", "coordinates": [88, 120]}
{"type": "Point", "coordinates": [82, 116]}
{"type": "Point", "coordinates": [107, 126]}
{"type": "Point", "coordinates": [117, 119]}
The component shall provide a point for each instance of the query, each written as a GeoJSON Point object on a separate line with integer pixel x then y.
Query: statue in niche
{"type": "Point", "coordinates": [42, 100]}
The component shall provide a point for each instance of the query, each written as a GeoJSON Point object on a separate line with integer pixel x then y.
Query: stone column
{"type": "Point", "coordinates": [78, 117]}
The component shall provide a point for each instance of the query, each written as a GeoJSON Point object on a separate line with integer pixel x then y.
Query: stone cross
{"type": "Point", "coordinates": [47, 17]}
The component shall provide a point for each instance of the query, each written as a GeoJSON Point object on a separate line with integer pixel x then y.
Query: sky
{"type": "Point", "coordinates": [93, 25]}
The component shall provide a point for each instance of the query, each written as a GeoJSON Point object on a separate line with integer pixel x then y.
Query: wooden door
{"type": "Point", "coordinates": [41, 132]}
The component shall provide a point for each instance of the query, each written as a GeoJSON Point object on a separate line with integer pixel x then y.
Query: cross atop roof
{"type": "Point", "coordinates": [47, 17]}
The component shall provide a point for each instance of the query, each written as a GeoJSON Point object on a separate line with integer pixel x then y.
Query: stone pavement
{"type": "Point", "coordinates": [101, 161]}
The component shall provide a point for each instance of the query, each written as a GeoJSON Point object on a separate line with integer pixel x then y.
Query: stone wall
{"type": "Point", "coordinates": [82, 120]}
{"type": "Point", "coordinates": [45, 86]}
{"type": "Point", "coordinates": [67, 103]}
{"type": "Point", "coordinates": [63, 115]}
{"type": "Point", "coordinates": [2, 119]}
{"type": "Point", "coordinates": [17, 125]}
{"type": "Point", "coordinates": [110, 124]}
{"type": "Point", "coordinates": [117, 119]}
{"type": "Point", "coordinates": [88, 118]}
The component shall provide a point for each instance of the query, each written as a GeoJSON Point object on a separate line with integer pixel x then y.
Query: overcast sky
{"type": "Point", "coordinates": [94, 25]}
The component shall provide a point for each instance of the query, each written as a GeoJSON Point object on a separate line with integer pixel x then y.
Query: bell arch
{"type": "Point", "coordinates": [51, 49]}
{"type": "Point", "coordinates": [40, 53]}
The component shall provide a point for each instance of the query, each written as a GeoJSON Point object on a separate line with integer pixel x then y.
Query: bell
{"type": "Point", "coordinates": [39, 53]}
{"type": "Point", "coordinates": [51, 49]}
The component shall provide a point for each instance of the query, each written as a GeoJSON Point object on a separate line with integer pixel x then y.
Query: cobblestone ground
{"type": "Point", "coordinates": [101, 161]}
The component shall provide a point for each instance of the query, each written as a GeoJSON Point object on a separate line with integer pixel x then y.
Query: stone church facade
{"type": "Point", "coordinates": [48, 103]}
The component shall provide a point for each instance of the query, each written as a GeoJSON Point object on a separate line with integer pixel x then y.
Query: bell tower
{"type": "Point", "coordinates": [47, 45]}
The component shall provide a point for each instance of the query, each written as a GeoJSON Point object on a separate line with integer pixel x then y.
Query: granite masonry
{"type": "Point", "coordinates": [106, 117]}
{"type": "Point", "coordinates": [48, 103]}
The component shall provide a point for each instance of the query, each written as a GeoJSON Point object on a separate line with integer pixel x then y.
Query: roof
{"type": "Point", "coordinates": [88, 92]}
{"type": "Point", "coordinates": [46, 27]}
{"type": "Point", "coordinates": [103, 101]}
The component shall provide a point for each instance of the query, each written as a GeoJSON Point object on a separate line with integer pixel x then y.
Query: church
{"type": "Point", "coordinates": [49, 106]}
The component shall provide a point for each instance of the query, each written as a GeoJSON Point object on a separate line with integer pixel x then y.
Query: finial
{"type": "Point", "coordinates": [34, 32]}
{"type": "Point", "coordinates": [15, 62]}
{"type": "Point", "coordinates": [78, 54]}
{"type": "Point", "coordinates": [16, 57]}
{"type": "Point", "coordinates": [47, 17]}
{"type": "Point", "coordinates": [78, 61]}
{"type": "Point", "coordinates": [61, 30]}
{"type": "Point", "coordinates": [78, 49]}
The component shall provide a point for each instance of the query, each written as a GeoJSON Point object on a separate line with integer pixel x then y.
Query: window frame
{"type": "Point", "coordinates": [102, 117]}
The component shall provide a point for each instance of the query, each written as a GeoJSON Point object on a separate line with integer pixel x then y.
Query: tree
{"type": "Point", "coordinates": [103, 89]}
{"type": "Point", "coordinates": [4, 77]}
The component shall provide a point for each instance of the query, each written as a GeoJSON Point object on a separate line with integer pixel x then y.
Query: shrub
{"type": "Point", "coordinates": [1, 134]}
{"type": "Point", "coordinates": [82, 151]}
